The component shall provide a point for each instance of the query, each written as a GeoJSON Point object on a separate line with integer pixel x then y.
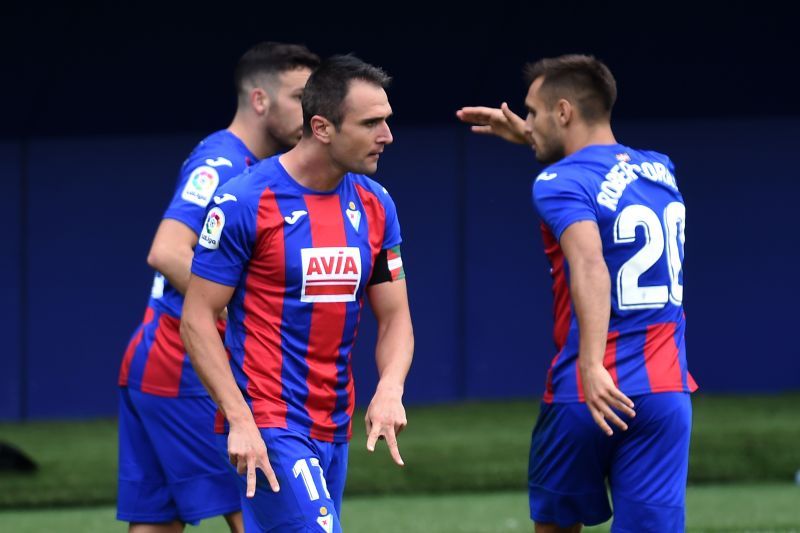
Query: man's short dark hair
{"type": "Point", "coordinates": [581, 79]}
{"type": "Point", "coordinates": [328, 85]}
{"type": "Point", "coordinates": [262, 63]}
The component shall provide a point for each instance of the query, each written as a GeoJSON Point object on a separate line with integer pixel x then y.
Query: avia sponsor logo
{"type": "Point", "coordinates": [624, 173]}
{"type": "Point", "coordinates": [200, 186]}
{"type": "Point", "coordinates": [330, 274]}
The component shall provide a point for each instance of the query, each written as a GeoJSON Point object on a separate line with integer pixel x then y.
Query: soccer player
{"type": "Point", "coordinates": [613, 223]}
{"type": "Point", "coordinates": [291, 251]}
{"type": "Point", "coordinates": [170, 472]}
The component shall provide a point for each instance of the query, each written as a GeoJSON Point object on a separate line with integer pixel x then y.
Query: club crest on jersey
{"type": "Point", "coordinates": [353, 215]}
{"type": "Point", "coordinates": [325, 521]}
{"type": "Point", "coordinates": [200, 186]}
{"type": "Point", "coordinates": [212, 229]}
{"type": "Point", "coordinates": [330, 274]}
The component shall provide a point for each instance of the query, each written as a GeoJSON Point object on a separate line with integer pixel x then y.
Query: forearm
{"type": "Point", "coordinates": [210, 361]}
{"type": "Point", "coordinates": [590, 288]}
{"type": "Point", "coordinates": [172, 252]}
{"type": "Point", "coordinates": [393, 352]}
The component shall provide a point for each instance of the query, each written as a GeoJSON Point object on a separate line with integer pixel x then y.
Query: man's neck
{"type": "Point", "coordinates": [309, 164]}
{"type": "Point", "coordinates": [254, 138]}
{"type": "Point", "coordinates": [587, 136]}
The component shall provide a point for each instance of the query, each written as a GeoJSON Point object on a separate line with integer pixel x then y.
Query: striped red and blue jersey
{"type": "Point", "coordinates": [634, 199]}
{"type": "Point", "coordinates": [155, 360]}
{"type": "Point", "coordinates": [299, 261]}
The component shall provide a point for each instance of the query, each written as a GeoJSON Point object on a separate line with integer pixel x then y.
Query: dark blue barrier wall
{"type": "Point", "coordinates": [508, 298]}
{"type": "Point", "coordinates": [478, 280]}
{"type": "Point", "coordinates": [11, 369]}
{"type": "Point", "coordinates": [93, 206]}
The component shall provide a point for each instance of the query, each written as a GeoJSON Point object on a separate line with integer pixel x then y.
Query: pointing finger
{"type": "Point", "coordinates": [251, 477]}
{"type": "Point", "coordinates": [373, 438]}
{"type": "Point", "coordinates": [266, 467]}
{"type": "Point", "coordinates": [394, 450]}
{"type": "Point", "coordinates": [481, 129]}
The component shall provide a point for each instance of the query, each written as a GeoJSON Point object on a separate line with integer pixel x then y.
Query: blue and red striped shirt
{"type": "Point", "coordinates": [155, 360]}
{"type": "Point", "coordinates": [299, 261]}
{"type": "Point", "coordinates": [634, 199]}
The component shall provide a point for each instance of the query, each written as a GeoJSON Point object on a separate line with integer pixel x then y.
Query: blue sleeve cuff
{"type": "Point", "coordinates": [192, 222]}
{"type": "Point", "coordinates": [212, 273]}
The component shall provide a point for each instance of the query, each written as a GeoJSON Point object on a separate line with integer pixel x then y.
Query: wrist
{"type": "Point", "coordinates": [589, 364]}
{"type": "Point", "coordinates": [390, 387]}
{"type": "Point", "coordinates": [238, 417]}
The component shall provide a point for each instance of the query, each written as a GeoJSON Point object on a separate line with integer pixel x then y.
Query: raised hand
{"type": "Point", "coordinates": [501, 122]}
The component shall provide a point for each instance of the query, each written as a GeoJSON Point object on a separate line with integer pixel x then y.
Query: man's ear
{"type": "Point", "coordinates": [259, 101]}
{"type": "Point", "coordinates": [321, 128]}
{"type": "Point", "coordinates": [564, 112]}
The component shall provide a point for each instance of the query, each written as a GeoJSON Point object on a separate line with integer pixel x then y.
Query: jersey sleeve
{"type": "Point", "coordinates": [391, 234]}
{"type": "Point", "coordinates": [562, 201]}
{"type": "Point", "coordinates": [226, 242]}
{"type": "Point", "coordinates": [196, 187]}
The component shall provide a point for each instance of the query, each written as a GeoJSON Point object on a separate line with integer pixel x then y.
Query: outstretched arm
{"type": "Point", "coordinates": [590, 288]}
{"type": "Point", "coordinates": [386, 416]}
{"type": "Point", "coordinates": [204, 302]}
{"type": "Point", "coordinates": [501, 122]}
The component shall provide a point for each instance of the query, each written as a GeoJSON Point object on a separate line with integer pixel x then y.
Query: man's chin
{"type": "Point", "coordinates": [548, 158]}
{"type": "Point", "coordinates": [367, 169]}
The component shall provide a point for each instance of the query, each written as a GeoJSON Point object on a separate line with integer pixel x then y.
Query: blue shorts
{"type": "Point", "coordinates": [646, 466]}
{"type": "Point", "coordinates": [169, 467]}
{"type": "Point", "coordinates": [311, 474]}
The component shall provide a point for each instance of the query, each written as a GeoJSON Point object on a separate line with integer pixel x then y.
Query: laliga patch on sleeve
{"type": "Point", "coordinates": [201, 185]}
{"type": "Point", "coordinates": [212, 229]}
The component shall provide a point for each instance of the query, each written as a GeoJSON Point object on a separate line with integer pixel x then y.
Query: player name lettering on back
{"type": "Point", "coordinates": [624, 173]}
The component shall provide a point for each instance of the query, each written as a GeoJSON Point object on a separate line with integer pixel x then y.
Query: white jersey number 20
{"type": "Point", "coordinates": [670, 234]}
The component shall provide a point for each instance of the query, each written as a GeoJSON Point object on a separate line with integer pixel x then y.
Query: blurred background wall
{"type": "Point", "coordinates": [101, 103]}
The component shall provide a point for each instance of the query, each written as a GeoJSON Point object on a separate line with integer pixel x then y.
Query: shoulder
{"type": "Point", "coordinates": [367, 183]}
{"type": "Point", "coordinates": [652, 155]}
{"type": "Point", "coordinates": [221, 154]}
{"type": "Point", "coordinates": [371, 187]}
{"type": "Point", "coordinates": [248, 187]}
{"type": "Point", "coordinates": [561, 176]}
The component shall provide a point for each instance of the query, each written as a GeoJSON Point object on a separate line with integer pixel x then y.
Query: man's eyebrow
{"type": "Point", "coordinates": [378, 117]}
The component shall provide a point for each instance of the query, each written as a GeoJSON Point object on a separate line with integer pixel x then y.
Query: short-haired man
{"type": "Point", "coordinates": [613, 226]}
{"type": "Point", "coordinates": [291, 253]}
{"type": "Point", "coordinates": [169, 471]}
